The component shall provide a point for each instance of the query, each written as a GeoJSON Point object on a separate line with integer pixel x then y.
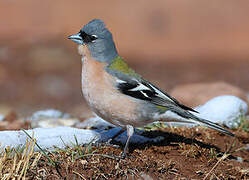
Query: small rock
{"type": "Point", "coordinates": [49, 113]}
{"type": "Point", "coordinates": [226, 110]}
{"type": "Point", "coordinates": [145, 176]}
{"type": "Point", "coordinates": [239, 159]}
{"type": "Point", "coordinates": [54, 122]}
{"type": "Point", "coordinates": [198, 93]}
{"type": "Point", "coordinates": [51, 118]}
{"type": "Point", "coordinates": [83, 162]}
{"type": "Point", "coordinates": [246, 147]}
{"type": "Point", "coordinates": [199, 172]}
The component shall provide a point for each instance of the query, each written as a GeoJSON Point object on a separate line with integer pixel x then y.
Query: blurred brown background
{"type": "Point", "coordinates": [169, 42]}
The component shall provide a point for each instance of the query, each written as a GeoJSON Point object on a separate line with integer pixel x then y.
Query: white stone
{"type": "Point", "coordinates": [48, 138]}
{"type": "Point", "coordinates": [54, 122]}
{"type": "Point", "coordinates": [49, 113]}
{"type": "Point", "coordinates": [51, 118]}
{"type": "Point", "coordinates": [225, 110]}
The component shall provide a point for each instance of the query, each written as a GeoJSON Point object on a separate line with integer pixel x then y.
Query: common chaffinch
{"type": "Point", "coordinates": [119, 95]}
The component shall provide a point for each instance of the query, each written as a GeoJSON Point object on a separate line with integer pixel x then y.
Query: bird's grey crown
{"type": "Point", "coordinates": [103, 48]}
{"type": "Point", "coordinates": [95, 27]}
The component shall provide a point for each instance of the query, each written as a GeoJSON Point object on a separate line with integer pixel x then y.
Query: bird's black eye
{"type": "Point", "coordinates": [87, 38]}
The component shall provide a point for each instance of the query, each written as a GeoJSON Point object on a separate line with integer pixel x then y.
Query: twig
{"type": "Point", "coordinates": [79, 175]}
{"type": "Point", "coordinates": [225, 155]}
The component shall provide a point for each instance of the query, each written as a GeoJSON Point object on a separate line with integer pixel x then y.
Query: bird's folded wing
{"type": "Point", "coordinates": [144, 90]}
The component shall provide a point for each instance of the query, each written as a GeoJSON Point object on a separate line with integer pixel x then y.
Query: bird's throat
{"type": "Point", "coordinates": [83, 50]}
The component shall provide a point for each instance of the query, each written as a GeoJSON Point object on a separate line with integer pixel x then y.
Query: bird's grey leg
{"type": "Point", "coordinates": [130, 132]}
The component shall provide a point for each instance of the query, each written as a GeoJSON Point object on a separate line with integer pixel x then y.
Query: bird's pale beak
{"type": "Point", "coordinates": [76, 38]}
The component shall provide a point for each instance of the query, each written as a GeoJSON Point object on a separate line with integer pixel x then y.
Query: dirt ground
{"type": "Point", "coordinates": [196, 153]}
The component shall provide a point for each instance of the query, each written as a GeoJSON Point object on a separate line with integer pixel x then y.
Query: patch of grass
{"type": "Point", "coordinates": [244, 123]}
{"type": "Point", "coordinates": [213, 153]}
{"type": "Point", "coordinates": [23, 162]}
{"type": "Point", "coordinates": [190, 150]}
{"type": "Point", "coordinates": [14, 163]}
{"type": "Point", "coordinates": [76, 151]}
{"type": "Point", "coordinates": [43, 152]}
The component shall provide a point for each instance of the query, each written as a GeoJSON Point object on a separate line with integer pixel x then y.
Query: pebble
{"type": "Point", "coordinates": [51, 118]}
{"type": "Point", "coordinates": [226, 110]}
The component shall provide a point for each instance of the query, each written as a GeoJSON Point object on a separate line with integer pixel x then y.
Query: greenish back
{"type": "Point", "coordinates": [120, 65]}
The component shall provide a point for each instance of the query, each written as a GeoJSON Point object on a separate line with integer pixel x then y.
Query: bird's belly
{"type": "Point", "coordinates": [105, 100]}
{"type": "Point", "coordinates": [110, 106]}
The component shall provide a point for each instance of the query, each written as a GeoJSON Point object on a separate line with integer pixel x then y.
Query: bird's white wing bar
{"type": "Point", "coordinates": [120, 81]}
{"type": "Point", "coordinates": [144, 94]}
{"type": "Point", "coordinates": [140, 87]}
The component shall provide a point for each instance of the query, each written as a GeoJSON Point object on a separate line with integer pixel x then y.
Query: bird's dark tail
{"type": "Point", "coordinates": [214, 126]}
{"type": "Point", "coordinates": [205, 122]}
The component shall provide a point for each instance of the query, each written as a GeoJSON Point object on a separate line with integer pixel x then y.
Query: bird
{"type": "Point", "coordinates": [119, 95]}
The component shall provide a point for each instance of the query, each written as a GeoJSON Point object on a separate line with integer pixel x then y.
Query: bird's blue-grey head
{"type": "Point", "coordinates": [98, 40]}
